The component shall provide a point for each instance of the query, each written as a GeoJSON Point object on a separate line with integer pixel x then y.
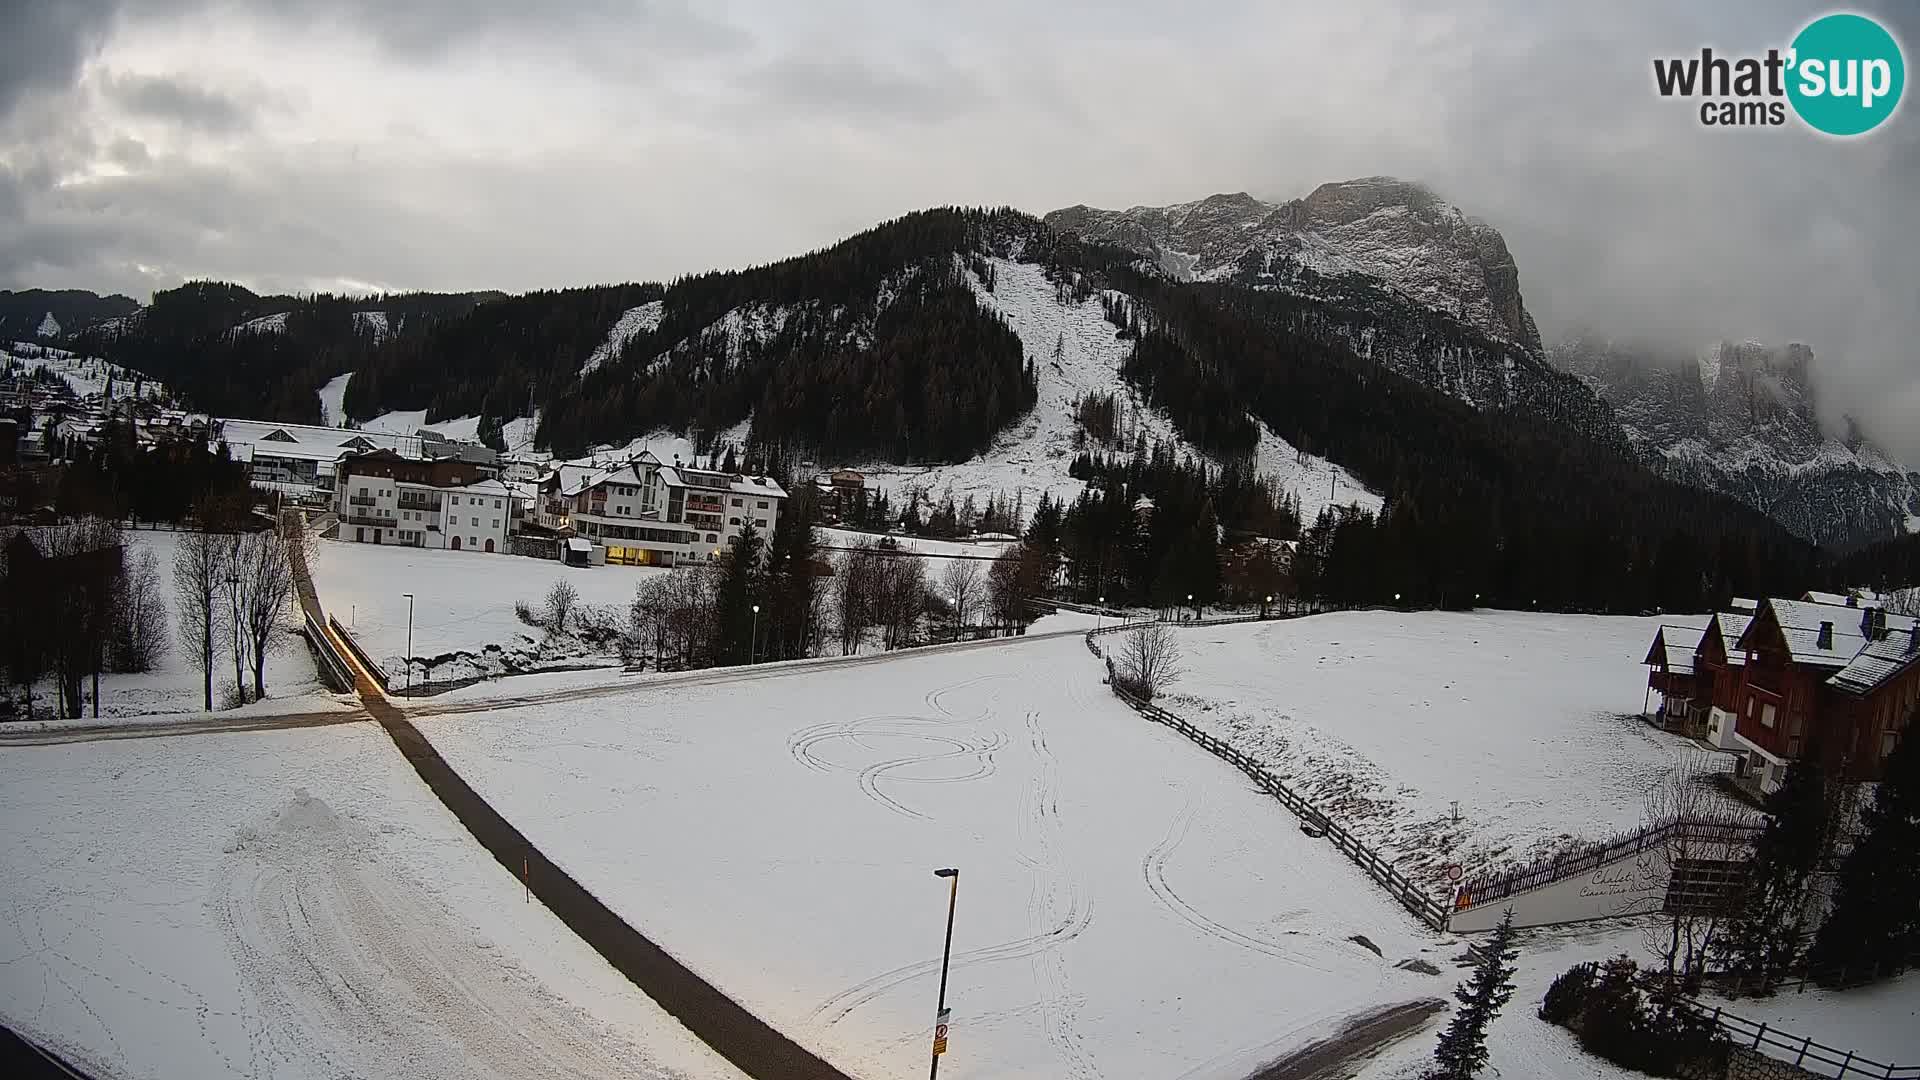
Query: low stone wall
{"type": "Point", "coordinates": [1744, 1063]}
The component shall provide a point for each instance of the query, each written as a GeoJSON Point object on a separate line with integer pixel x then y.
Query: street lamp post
{"type": "Point", "coordinates": [1100, 616]}
{"type": "Point", "coordinates": [1264, 603]}
{"type": "Point", "coordinates": [753, 639]}
{"type": "Point", "coordinates": [409, 597]}
{"type": "Point", "coordinates": [946, 956]}
{"type": "Point", "coordinates": [1196, 610]}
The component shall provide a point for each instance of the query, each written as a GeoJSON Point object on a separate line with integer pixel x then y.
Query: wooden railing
{"type": "Point", "coordinates": [1584, 860]}
{"type": "Point", "coordinates": [1799, 1050]}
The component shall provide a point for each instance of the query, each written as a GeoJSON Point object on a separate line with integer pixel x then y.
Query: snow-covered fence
{"type": "Point", "coordinates": [1425, 908]}
{"type": "Point", "coordinates": [1491, 888]}
{"type": "Point", "coordinates": [1800, 1051]}
{"type": "Point", "coordinates": [333, 669]}
{"type": "Point", "coordinates": [379, 674]}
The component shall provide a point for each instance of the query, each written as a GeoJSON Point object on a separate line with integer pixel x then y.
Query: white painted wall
{"type": "Point", "coordinates": [1632, 885]}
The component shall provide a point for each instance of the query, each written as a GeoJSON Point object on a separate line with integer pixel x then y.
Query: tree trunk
{"type": "Point", "coordinates": [206, 658]}
{"type": "Point", "coordinates": [260, 673]}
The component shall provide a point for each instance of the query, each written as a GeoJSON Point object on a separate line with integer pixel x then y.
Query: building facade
{"type": "Point", "coordinates": [644, 513]}
{"type": "Point", "coordinates": [382, 497]}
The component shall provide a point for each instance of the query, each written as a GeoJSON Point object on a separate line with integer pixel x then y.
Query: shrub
{"type": "Point", "coordinates": [524, 612]}
{"type": "Point", "coordinates": [1568, 995]}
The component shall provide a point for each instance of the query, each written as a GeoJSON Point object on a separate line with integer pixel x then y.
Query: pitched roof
{"type": "Point", "coordinates": [1876, 663]}
{"type": "Point", "coordinates": [1731, 625]}
{"type": "Point", "coordinates": [1800, 622]}
{"type": "Point", "coordinates": [1673, 648]}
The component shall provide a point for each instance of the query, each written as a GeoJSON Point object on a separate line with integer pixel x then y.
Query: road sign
{"type": "Point", "coordinates": [940, 1032]}
{"type": "Point", "coordinates": [1455, 872]}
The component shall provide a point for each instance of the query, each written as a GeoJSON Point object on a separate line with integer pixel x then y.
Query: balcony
{"type": "Point", "coordinates": [361, 500]}
{"type": "Point", "coordinates": [420, 504]}
{"type": "Point", "coordinates": [369, 519]}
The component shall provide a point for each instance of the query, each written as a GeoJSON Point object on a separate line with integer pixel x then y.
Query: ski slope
{"type": "Point", "coordinates": [632, 322]}
{"type": "Point", "coordinates": [296, 905]}
{"type": "Point", "coordinates": [332, 396]}
{"type": "Point", "coordinates": [1387, 719]}
{"type": "Point", "coordinates": [1075, 353]}
{"type": "Point", "coordinates": [1128, 906]}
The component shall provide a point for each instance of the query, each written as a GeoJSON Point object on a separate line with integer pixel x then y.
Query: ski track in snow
{"type": "Point", "coordinates": [328, 937]}
{"type": "Point", "coordinates": [332, 396]}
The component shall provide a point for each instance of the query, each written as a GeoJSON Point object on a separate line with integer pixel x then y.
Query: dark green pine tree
{"type": "Point", "coordinates": [738, 591]}
{"type": "Point", "coordinates": [1874, 926]}
{"type": "Point", "coordinates": [1463, 1046]}
{"type": "Point", "coordinates": [1763, 939]}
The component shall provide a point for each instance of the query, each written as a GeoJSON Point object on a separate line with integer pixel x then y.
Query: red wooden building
{"type": "Point", "coordinates": [1792, 677]}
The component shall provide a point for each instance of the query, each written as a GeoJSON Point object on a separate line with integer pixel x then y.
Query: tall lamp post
{"type": "Point", "coordinates": [1196, 611]}
{"type": "Point", "coordinates": [1100, 616]}
{"type": "Point", "coordinates": [946, 955]}
{"type": "Point", "coordinates": [409, 597]}
{"type": "Point", "coordinates": [753, 639]}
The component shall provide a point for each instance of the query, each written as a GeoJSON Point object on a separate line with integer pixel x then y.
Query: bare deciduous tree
{"type": "Point", "coordinates": [1149, 660]}
{"type": "Point", "coordinates": [140, 638]}
{"type": "Point", "coordinates": [562, 600]}
{"type": "Point", "coordinates": [961, 579]}
{"type": "Point", "coordinates": [900, 599]}
{"type": "Point", "coordinates": [263, 570]}
{"type": "Point", "coordinates": [1696, 847]}
{"type": "Point", "coordinates": [199, 572]}
{"type": "Point", "coordinates": [1904, 601]}
{"type": "Point", "coordinates": [855, 586]}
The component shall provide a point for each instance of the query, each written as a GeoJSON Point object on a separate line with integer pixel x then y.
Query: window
{"type": "Point", "coordinates": [733, 521]}
{"type": "Point", "coordinates": [476, 523]}
{"type": "Point", "coordinates": [736, 502]}
{"type": "Point", "coordinates": [1766, 716]}
{"type": "Point", "coordinates": [496, 523]}
{"type": "Point", "coordinates": [711, 539]}
{"type": "Point", "coordinates": [762, 504]}
{"type": "Point", "coordinates": [456, 499]}
{"type": "Point", "coordinates": [1888, 740]}
{"type": "Point", "coordinates": [496, 504]}
{"type": "Point", "coordinates": [760, 522]}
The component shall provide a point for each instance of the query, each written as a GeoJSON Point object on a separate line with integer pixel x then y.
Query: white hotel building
{"type": "Point", "coordinates": [644, 513]}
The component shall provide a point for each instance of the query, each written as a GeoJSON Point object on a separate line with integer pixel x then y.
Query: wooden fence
{"type": "Point", "coordinates": [1494, 887]}
{"type": "Point", "coordinates": [1799, 1050]}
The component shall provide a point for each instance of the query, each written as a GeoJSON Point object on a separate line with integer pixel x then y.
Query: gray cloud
{"type": "Point", "coordinates": [178, 100]}
{"type": "Point", "coordinates": [46, 41]}
{"type": "Point", "coordinates": [490, 143]}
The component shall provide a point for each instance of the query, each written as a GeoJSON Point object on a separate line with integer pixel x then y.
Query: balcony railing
{"type": "Point", "coordinates": [368, 519]}
{"type": "Point", "coordinates": [361, 500]}
{"type": "Point", "coordinates": [420, 504]}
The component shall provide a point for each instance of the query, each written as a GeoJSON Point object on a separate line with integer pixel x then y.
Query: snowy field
{"type": "Point", "coordinates": [292, 905]}
{"type": "Point", "coordinates": [463, 600]}
{"type": "Point", "coordinates": [937, 554]}
{"type": "Point", "coordinates": [1386, 719]}
{"type": "Point", "coordinates": [1075, 354]}
{"type": "Point", "coordinates": [1128, 906]}
{"type": "Point", "coordinates": [175, 684]}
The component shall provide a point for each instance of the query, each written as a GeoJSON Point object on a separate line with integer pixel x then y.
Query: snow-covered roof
{"type": "Point", "coordinates": [1674, 646]}
{"type": "Point", "coordinates": [482, 487]}
{"type": "Point", "coordinates": [1800, 622]}
{"type": "Point", "coordinates": [1876, 663]}
{"type": "Point", "coordinates": [761, 486]}
{"type": "Point", "coordinates": [307, 441]}
{"type": "Point", "coordinates": [1743, 605]}
{"type": "Point", "coordinates": [1732, 624]}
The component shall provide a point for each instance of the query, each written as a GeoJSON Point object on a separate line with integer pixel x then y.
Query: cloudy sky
{"type": "Point", "coordinates": [444, 144]}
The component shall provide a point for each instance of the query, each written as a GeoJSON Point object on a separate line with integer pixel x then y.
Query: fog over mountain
{"type": "Point", "coordinates": [298, 145]}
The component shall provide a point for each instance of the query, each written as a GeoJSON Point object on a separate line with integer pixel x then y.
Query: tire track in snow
{"type": "Point", "coordinates": [328, 938]}
{"type": "Point", "coordinates": [1059, 1008]}
{"type": "Point", "coordinates": [1153, 868]}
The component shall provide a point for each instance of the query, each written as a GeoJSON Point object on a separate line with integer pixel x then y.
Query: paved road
{"type": "Point", "coordinates": [751, 1044]}
{"type": "Point", "coordinates": [1360, 1038]}
{"type": "Point", "coordinates": [29, 1061]}
{"type": "Point", "coordinates": [196, 724]}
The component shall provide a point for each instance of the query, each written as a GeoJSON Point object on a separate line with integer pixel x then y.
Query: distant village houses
{"type": "Point", "coordinates": [646, 513]}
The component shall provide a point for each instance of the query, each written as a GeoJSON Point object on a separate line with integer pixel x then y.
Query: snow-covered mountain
{"type": "Point", "coordinates": [1410, 280]}
{"type": "Point", "coordinates": [1741, 419]}
{"type": "Point", "coordinates": [1392, 230]}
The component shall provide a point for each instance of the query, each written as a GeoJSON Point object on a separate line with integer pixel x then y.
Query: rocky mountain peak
{"type": "Point", "coordinates": [1394, 231]}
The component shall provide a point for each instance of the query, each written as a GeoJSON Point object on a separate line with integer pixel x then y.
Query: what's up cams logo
{"type": "Point", "coordinates": [1842, 75]}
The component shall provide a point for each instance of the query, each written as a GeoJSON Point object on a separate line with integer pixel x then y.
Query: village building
{"type": "Point", "coordinates": [645, 513]}
{"type": "Point", "coordinates": [1831, 674]}
{"type": "Point", "coordinates": [383, 497]}
{"type": "Point", "coordinates": [298, 460]}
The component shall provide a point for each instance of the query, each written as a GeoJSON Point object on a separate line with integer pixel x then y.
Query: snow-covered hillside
{"type": "Point", "coordinates": [1076, 354]}
{"type": "Point", "coordinates": [49, 326]}
{"type": "Point", "coordinates": [86, 375]}
{"type": "Point", "coordinates": [374, 324]}
{"type": "Point", "coordinates": [275, 323]}
{"type": "Point", "coordinates": [632, 322]}
{"type": "Point", "coordinates": [332, 414]}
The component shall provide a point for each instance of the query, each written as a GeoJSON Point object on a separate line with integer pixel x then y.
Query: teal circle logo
{"type": "Point", "coordinates": [1846, 74]}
